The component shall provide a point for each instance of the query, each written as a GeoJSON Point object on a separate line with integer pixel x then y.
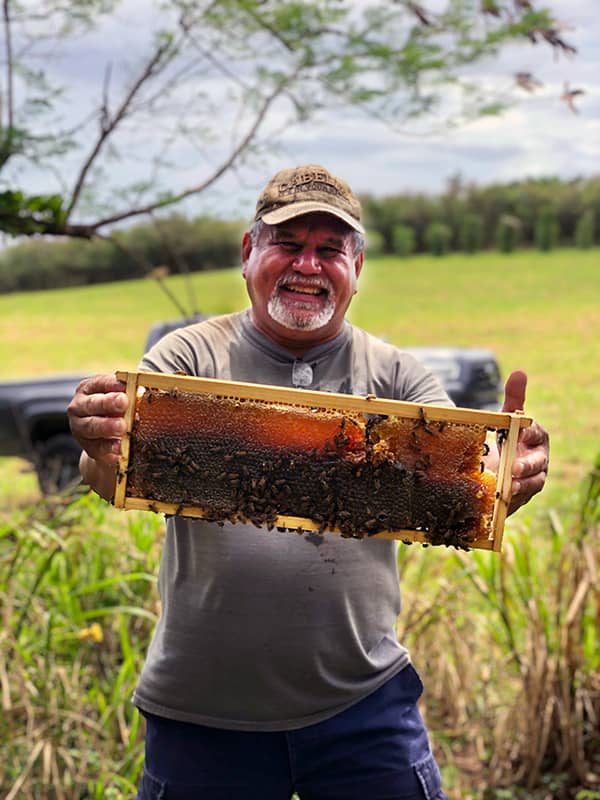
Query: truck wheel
{"type": "Point", "coordinates": [58, 463]}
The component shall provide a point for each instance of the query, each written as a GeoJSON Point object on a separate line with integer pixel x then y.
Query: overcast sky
{"type": "Point", "coordinates": [539, 136]}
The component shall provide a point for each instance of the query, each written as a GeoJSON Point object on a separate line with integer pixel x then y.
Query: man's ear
{"type": "Point", "coordinates": [246, 250]}
{"type": "Point", "coordinates": [358, 262]}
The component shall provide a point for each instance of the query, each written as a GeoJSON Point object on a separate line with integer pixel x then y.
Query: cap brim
{"type": "Point", "coordinates": [309, 207]}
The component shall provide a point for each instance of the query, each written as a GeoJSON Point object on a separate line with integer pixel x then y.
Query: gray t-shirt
{"type": "Point", "coordinates": [268, 630]}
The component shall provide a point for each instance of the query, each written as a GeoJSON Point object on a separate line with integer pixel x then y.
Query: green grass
{"type": "Point", "coordinates": [98, 328]}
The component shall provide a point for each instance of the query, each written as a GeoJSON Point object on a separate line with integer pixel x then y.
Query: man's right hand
{"type": "Point", "coordinates": [96, 416]}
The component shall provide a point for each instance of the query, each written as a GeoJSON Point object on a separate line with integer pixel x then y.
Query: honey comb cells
{"type": "Point", "coordinates": [259, 461]}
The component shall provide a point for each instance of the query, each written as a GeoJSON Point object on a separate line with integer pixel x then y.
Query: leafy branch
{"type": "Point", "coordinates": [393, 59]}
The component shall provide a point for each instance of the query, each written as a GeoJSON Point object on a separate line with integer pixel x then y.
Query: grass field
{"type": "Point", "coordinates": [538, 312]}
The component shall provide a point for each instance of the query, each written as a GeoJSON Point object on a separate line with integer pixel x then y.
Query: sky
{"type": "Point", "coordinates": [538, 136]}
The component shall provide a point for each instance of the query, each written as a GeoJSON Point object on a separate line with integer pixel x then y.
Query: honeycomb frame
{"type": "Point", "coordinates": [410, 416]}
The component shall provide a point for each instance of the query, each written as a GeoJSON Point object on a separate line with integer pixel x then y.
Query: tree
{"type": "Point", "coordinates": [438, 237]}
{"type": "Point", "coordinates": [471, 233]}
{"type": "Point", "coordinates": [585, 230]}
{"type": "Point", "coordinates": [215, 75]}
{"type": "Point", "coordinates": [547, 229]}
{"type": "Point", "coordinates": [404, 240]}
{"type": "Point", "coordinates": [508, 232]}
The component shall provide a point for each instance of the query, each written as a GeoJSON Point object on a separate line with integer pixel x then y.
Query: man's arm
{"type": "Point", "coordinates": [530, 467]}
{"type": "Point", "coordinates": [96, 416]}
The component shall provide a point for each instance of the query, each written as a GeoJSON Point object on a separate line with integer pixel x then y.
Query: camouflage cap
{"type": "Point", "coordinates": [305, 190]}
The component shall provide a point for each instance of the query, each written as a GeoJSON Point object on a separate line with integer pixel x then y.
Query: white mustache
{"type": "Point", "coordinates": [314, 282]}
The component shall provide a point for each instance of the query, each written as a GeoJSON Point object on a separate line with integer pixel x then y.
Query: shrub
{"type": "Point", "coordinates": [374, 242]}
{"type": "Point", "coordinates": [585, 230]}
{"type": "Point", "coordinates": [403, 240]}
{"type": "Point", "coordinates": [508, 233]}
{"type": "Point", "coordinates": [512, 651]}
{"type": "Point", "coordinates": [471, 233]}
{"type": "Point", "coordinates": [438, 236]}
{"type": "Point", "coordinates": [547, 229]}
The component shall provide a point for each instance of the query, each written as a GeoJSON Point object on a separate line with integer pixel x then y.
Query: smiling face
{"type": "Point", "coordinates": [301, 276]}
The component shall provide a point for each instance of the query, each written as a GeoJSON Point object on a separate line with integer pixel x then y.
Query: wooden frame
{"type": "Point", "coordinates": [508, 423]}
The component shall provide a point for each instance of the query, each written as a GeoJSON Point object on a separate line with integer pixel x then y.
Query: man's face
{"type": "Point", "coordinates": [301, 276]}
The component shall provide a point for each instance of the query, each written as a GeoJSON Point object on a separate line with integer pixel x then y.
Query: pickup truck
{"type": "Point", "coordinates": [34, 424]}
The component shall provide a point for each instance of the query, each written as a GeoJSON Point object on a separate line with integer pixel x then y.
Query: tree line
{"type": "Point", "coordinates": [170, 245]}
{"type": "Point", "coordinates": [543, 213]}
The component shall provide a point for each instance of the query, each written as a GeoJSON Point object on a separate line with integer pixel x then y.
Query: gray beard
{"type": "Point", "coordinates": [285, 316]}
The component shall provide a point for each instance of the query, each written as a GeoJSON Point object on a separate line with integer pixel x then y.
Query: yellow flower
{"type": "Point", "coordinates": [94, 633]}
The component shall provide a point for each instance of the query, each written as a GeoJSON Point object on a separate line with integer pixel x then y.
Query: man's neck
{"type": "Point", "coordinates": [297, 347]}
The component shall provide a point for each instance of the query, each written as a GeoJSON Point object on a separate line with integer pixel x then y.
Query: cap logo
{"type": "Point", "coordinates": [309, 182]}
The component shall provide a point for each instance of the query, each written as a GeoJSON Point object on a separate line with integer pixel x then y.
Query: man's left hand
{"type": "Point", "coordinates": [530, 467]}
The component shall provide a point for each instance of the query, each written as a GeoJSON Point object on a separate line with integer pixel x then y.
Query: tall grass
{"type": "Point", "coordinates": [78, 604]}
{"type": "Point", "coordinates": [511, 650]}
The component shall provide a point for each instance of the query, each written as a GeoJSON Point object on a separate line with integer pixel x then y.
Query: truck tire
{"type": "Point", "coordinates": [58, 463]}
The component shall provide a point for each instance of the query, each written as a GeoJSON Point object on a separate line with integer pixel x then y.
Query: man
{"type": "Point", "coordinates": [271, 671]}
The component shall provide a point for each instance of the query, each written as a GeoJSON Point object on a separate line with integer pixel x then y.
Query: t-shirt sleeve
{"type": "Point", "coordinates": [415, 383]}
{"type": "Point", "coordinates": [388, 371]}
{"type": "Point", "coordinates": [180, 351]}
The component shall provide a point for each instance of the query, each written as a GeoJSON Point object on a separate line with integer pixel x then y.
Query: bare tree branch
{"type": "Point", "coordinates": [109, 123]}
{"type": "Point", "coordinates": [224, 166]}
{"type": "Point", "coordinates": [276, 34]}
{"type": "Point", "coordinates": [104, 108]}
{"type": "Point", "coordinates": [147, 267]}
{"type": "Point", "coordinates": [211, 58]}
{"type": "Point", "coordinates": [180, 262]}
{"type": "Point", "coordinates": [173, 81]}
{"type": "Point", "coordinates": [9, 85]}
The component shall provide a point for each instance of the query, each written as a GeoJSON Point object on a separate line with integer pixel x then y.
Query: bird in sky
{"type": "Point", "coordinates": [525, 80]}
{"type": "Point", "coordinates": [568, 96]}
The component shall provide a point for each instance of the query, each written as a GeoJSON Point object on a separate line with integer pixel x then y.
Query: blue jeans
{"type": "Point", "coordinates": [375, 750]}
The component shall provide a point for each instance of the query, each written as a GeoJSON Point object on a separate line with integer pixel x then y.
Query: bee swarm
{"type": "Point", "coordinates": [360, 475]}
